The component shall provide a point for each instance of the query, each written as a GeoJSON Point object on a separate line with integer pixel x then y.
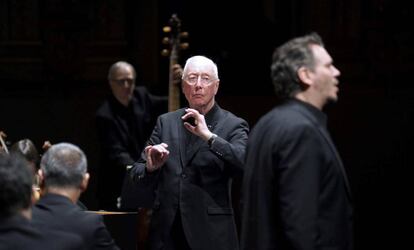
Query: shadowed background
{"type": "Point", "coordinates": [54, 57]}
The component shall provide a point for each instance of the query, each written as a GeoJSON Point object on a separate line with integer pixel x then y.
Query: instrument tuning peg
{"type": "Point", "coordinates": [165, 52]}
{"type": "Point", "coordinates": [184, 46]}
{"type": "Point", "coordinates": [166, 40]}
{"type": "Point", "coordinates": [184, 34]}
{"type": "Point", "coordinates": [166, 29]}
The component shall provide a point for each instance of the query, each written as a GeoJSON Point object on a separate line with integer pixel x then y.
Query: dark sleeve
{"type": "Point", "coordinates": [109, 135]}
{"type": "Point", "coordinates": [55, 239]}
{"type": "Point", "coordinates": [153, 106]}
{"type": "Point", "coordinates": [159, 104]}
{"type": "Point", "coordinates": [138, 172]}
{"type": "Point", "coordinates": [103, 239]}
{"type": "Point", "coordinates": [299, 179]}
{"type": "Point", "coordinates": [232, 148]}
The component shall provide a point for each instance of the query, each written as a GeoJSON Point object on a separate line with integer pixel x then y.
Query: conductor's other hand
{"type": "Point", "coordinates": [157, 155]}
{"type": "Point", "coordinates": [177, 73]}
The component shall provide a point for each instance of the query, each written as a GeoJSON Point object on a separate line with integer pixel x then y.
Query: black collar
{"type": "Point", "coordinates": [212, 116]}
{"type": "Point", "coordinates": [315, 112]}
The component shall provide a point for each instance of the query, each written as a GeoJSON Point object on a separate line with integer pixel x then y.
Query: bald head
{"type": "Point", "coordinates": [120, 65]}
{"type": "Point", "coordinates": [121, 79]}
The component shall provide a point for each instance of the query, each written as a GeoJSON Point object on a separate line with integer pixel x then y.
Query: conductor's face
{"type": "Point", "coordinates": [200, 85]}
{"type": "Point", "coordinates": [122, 84]}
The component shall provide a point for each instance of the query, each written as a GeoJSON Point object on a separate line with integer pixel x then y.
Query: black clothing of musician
{"type": "Point", "coordinates": [122, 132]}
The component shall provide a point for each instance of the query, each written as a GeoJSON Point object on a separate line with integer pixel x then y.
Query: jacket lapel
{"type": "Point", "coordinates": [182, 138]}
{"type": "Point", "coordinates": [338, 158]}
{"type": "Point", "coordinates": [189, 148]}
{"type": "Point", "coordinates": [328, 139]}
{"type": "Point", "coordinates": [193, 148]}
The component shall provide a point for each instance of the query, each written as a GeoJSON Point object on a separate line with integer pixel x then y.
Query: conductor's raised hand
{"type": "Point", "coordinates": [196, 123]}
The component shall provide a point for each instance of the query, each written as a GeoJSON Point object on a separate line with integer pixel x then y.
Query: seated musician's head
{"type": "Point", "coordinates": [63, 170]}
{"type": "Point", "coordinates": [16, 186]}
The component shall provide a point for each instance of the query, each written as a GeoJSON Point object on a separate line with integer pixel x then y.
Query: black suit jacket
{"type": "Point", "coordinates": [196, 180]}
{"type": "Point", "coordinates": [122, 133]}
{"type": "Point", "coordinates": [16, 233]}
{"type": "Point", "coordinates": [295, 191]}
{"type": "Point", "coordinates": [56, 212]}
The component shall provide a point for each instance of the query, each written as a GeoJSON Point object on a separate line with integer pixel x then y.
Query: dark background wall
{"type": "Point", "coordinates": [54, 57]}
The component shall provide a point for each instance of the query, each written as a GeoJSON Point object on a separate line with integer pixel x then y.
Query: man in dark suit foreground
{"type": "Point", "coordinates": [63, 177]}
{"type": "Point", "coordinates": [192, 155]}
{"type": "Point", "coordinates": [16, 196]}
{"type": "Point", "coordinates": [295, 192]}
